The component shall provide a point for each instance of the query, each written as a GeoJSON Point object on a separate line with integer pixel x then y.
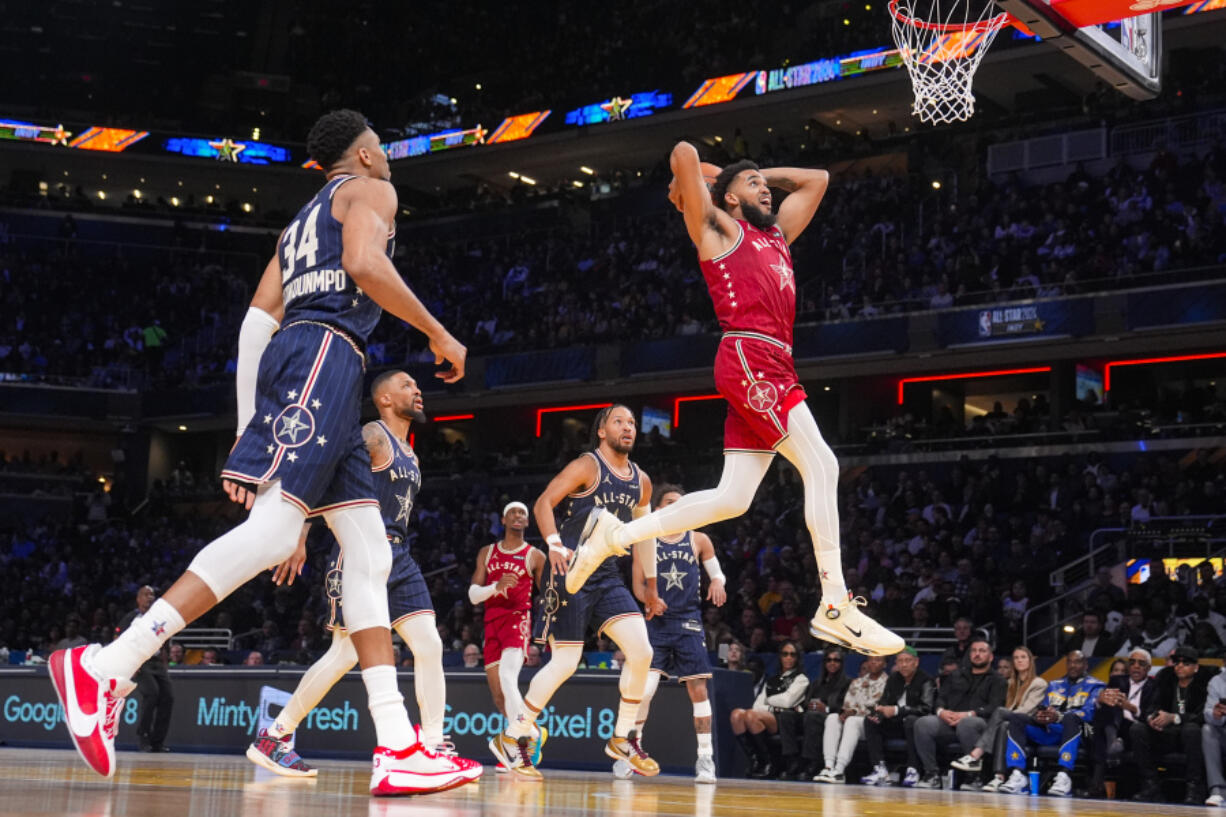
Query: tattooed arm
{"type": "Point", "coordinates": [805, 187]}
{"type": "Point", "coordinates": [378, 444]}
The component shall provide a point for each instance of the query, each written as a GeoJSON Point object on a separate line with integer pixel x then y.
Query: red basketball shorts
{"type": "Point", "coordinates": [757, 376]}
{"type": "Point", "coordinates": [510, 631]}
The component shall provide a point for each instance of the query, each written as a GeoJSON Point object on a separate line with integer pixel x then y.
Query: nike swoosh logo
{"type": "Point", "coordinates": [856, 633]}
{"type": "Point", "coordinates": [79, 723]}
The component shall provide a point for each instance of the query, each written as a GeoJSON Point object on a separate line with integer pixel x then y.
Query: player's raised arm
{"type": "Point", "coordinates": [367, 209]}
{"type": "Point", "coordinates": [377, 445]}
{"type": "Point", "coordinates": [806, 187]}
{"type": "Point", "coordinates": [711, 229]}
{"type": "Point", "coordinates": [575, 477]}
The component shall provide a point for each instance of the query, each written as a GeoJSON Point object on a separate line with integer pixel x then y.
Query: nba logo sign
{"type": "Point", "coordinates": [985, 323]}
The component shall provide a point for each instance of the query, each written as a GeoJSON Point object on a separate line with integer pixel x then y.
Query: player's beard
{"type": "Point", "coordinates": [619, 447]}
{"type": "Point", "coordinates": [757, 216]}
{"type": "Point", "coordinates": [414, 415]}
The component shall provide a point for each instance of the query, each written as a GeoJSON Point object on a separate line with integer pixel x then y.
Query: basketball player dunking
{"type": "Point", "coordinates": [601, 478]}
{"type": "Point", "coordinates": [300, 451]}
{"type": "Point", "coordinates": [503, 579]}
{"type": "Point", "coordinates": [744, 255]}
{"type": "Point", "coordinates": [397, 477]}
{"type": "Point", "coordinates": [678, 644]}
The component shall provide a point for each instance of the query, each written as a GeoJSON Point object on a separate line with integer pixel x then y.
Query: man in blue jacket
{"type": "Point", "coordinates": [1069, 703]}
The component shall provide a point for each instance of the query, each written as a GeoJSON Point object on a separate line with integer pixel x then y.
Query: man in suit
{"type": "Point", "coordinates": [1173, 724]}
{"type": "Point", "coordinates": [1092, 641]}
{"type": "Point", "coordinates": [1120, 706]}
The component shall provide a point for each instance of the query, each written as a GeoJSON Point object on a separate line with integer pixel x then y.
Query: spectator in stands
{"type": "Point", "coordinates": [532, 658]}
{"type": "Point", "coordinates": [1068, 705]}
{"type": "Point", "coordinates": [176, 654]}
{"type": "Point", "coordinates": [1201, 613]}
{"type": "Point", "coordinates": [210, 658]}
{"type": "Point", "coordinates": [783, 692]}
{"type": "Point", "coordinates": [1091, 641]}
{"type": "Point", "coordinates": [1174, 724]}
{"type": "Point", "coordinates": [909, 694]}
{"type": "Point", "coordinates": [1120, 705]}
{"type": "Point", "coordinates": [965, 702]}
{"type": "Point", "coordinates": [472, 656]}
{"type": "Point", "coordinates": [1004, 667]}
{"type": "Point", "coordinates": [1155, 638]}
{"type": "Point", "coordinates": [735, 659]}
{"type": "Point", "coordinates": [962, 640]}
{"type": "Point", "coordinates": [254, 659]}
{"type": "Point", "coordinates": [72, 635]}
{"type": "Point", "coordinates": [1024, 692]}
{"type": "Point", "coordinates": [1118, 669]}
{"type": "Point", "coordinates": [1213, 738]}
{"type": "Point", "coordinates": [843, 733]}
{"type": "Point", "coordinates": [157, 696]}
{"type": "Point", "coordinates": [800, 733]}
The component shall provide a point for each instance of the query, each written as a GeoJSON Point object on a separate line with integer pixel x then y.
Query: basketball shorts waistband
{"type": "Point", "coordinates": [343, 335]}
{"type": "Point", "coordinates": [786, 347]}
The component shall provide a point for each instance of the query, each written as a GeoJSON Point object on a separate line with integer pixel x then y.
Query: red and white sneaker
{"type": "Point", "coordinates": [470, 768]}
{"type": "Point", "coordinates": [91, 705]}
{"type": "Point", "coordinates": [415, 770]}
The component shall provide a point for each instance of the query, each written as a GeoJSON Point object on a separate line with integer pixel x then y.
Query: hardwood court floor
{"type": "Point", "coordinates": [54, 782]}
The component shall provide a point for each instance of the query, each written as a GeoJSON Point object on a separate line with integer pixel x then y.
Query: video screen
{"type": "Point", "coordinates": [657, 418]}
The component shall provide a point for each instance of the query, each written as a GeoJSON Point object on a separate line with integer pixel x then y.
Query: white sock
{"type": "Point", "coordinates": [627, 714]}
{"type": "Point", "coordinates": [705, 748]}
{"type": "Point", "coordinates": [140, 642]}
{"type": "Point", "coordinates": [392, 728]}
{"type": "Point", "coordinates": [315, 683]}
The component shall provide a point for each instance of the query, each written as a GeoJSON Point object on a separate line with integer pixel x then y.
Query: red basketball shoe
{"type": "Point", "coordinates": [91, 705]}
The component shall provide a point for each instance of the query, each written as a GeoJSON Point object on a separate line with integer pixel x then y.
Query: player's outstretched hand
{"type": "Point", "coordinates": [287, 571]}
{"type": "Point", "coordinates": [716, 594]}
{"type": "Point", "coordinates": [239, 492]}
{"type": "Point", "coordinates": [558, 563]}
{"type": "Point", "coordinates": [447, 348]}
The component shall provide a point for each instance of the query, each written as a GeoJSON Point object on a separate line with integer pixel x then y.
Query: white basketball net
{"type": "Point", "coordinates": [941, 43]}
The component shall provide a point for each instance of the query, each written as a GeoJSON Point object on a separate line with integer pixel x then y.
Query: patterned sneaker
{"type": "Point", "coordinates": [91, 704]}
{"type": "Point", "coordinates": [966, 763]}
{"type": "Point", "coordinates": [704, 769]}
{"type": "Point", "coordinates": [910, 777]}
{"type": "Point", "coordinates": [515, 755]}
{"type": "Point", "coordinates": [595, 545]}
{"type": "Point", "coordinates": [415, 770]}
{"type": "Point", "coordinates": [826, 775]}
{"type": "Point", "coordinates": [843, 623]}
{"type": "Point", "coordinates": [629, 750]}
{"type": "Point", "coordinates": [278, 756]}
{"type": "Point", "coordinates": [880, 776]}
{"type": "Point", "coordinates": [538, 744]}
{"type": "Point", "coordinates": [932, 781]}
{"type": "Point", "coordinates": [622, 770]}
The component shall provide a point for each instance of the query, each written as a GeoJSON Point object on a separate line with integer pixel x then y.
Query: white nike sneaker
{"type": "Point", "coordinates": [704, 769]}
{"type": "Point", "coordinates": [843, 623]}
{"type": "Point", "coordinates": [415, 770]}
{"type": "Point", "coordinates": [1017, 783]}
{"type": "Point", "coordinates": [1062, 786]}
{"type": "Point", "coordinates": [595, 545]}
{"type": "Point", "coordinates": [910, 778]}
{"type": "Point", "coordinates": [880, 776]}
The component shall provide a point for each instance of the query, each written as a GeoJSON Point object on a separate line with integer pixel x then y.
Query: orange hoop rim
{"type": "Point", "coordinates": [989, 24]}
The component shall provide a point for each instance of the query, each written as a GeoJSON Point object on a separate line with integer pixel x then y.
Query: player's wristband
{"type": "Point", "coordinates": [478, 593]}
{"type": "Point", "coordinates": [553, 539]}
{"type": "Point", "coordinates": [714, 571]}
{"type": "Point", "coordinates": [561, 551]}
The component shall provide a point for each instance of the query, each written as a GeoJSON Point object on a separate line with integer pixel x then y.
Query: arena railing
{"type": "Point", "coordinates": [205, 638]}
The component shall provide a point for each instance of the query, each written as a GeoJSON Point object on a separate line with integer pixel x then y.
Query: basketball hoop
{"type": "Point", "coordinates": [941, 43]}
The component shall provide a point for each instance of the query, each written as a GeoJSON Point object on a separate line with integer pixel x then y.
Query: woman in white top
{"type": "Point", "coordinates": [780, 692]}
{"type": "Point", "coordinates": [1026, 691]}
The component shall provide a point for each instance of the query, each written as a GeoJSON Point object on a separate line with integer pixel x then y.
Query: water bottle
{"type": "Point", "coordinates": [949, 780]}
{"type": "Point", "coordinates": [1034, 777]}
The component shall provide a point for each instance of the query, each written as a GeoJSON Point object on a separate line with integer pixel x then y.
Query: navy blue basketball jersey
{"type": "Point", "coordinates": [313, 283]}
{"type": "Point", "coordinates": [677, 576]}
{"type": "Point", "coordinates": [617, 494]}
{"type": "Point", "coordinates": [396, 486]}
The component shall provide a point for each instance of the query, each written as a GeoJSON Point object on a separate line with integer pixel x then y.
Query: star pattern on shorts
{"type": "Point", "coordinates": [292, 394]}
{"type": "Point", "coordinates": [292, 457]}
{"type": "Point", "coordinates": [785, 275]}
{"type": "Point", "coordinates": [315, 404]}
{"type": "Point", "coordinates": [271, 448]}
{"type": "Point", "coordinates": [334, 584]}
{"type": "Point", "coordinates": [291, 425]}
{"type": "Point", "coordinates": [761, 396]}
{"type": "Point", "coordinates": [673, 578]}
{"type": "Point", "coordinates": [321, 440]}
{"type": "Point", "coordinates": [353, 303]}
{"type": "Point", "coordinates": [267, 419]}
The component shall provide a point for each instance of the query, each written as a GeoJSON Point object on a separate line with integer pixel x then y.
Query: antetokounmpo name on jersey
{"type": "Point", "coordinates": [323, 280]}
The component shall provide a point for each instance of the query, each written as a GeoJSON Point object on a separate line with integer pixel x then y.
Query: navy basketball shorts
{"type": "Point", "coordinates": [407, 594]}
{"type": "Point", "coordinates": [563, 618]}
{"type": "Point", "coordinates": [678, 648]}
{"type": "Point", "coordinates": [307, 429]}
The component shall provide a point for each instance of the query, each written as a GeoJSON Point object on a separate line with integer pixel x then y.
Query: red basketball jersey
{"type": "Point", "coordinates": [519, 597]}
{"type": "Point", "coordinates": [752, 286]}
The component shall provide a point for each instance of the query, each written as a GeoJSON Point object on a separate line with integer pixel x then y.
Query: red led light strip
{"type": "Point", "coordinates": [542, 411]}
{"type": "Point", "coordinates": [967, 376]}
{"type": "Point", "coordinates": [678, 401]}
{"type": "Point", "coordinates": [443, 418]}
{"type": "Point", "coordinates": [1141, 361]}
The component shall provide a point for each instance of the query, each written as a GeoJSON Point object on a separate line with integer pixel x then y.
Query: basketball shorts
{"type": "Point", "coordinates": [757, 376]}
{"type": "Point", "coordinates": [307, 429]}
{"type": "Point", "coordinates": [678, 648]}
{"type": "Point", "coordinates": [563, 618]}
{"type": "Point", "coordinates": [509, 631]}
{"type": "Point", "coordinates": [407, 594]}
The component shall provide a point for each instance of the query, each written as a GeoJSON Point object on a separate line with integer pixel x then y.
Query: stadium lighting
{"type": "Point", "coordinates": [1142, 361]}
{"type": "Point", "coordinates": [966, 376]}
{"type": "Point", "coordinates": [183, 428]}
{"type": "Point", "coordinates": [174, 201]}
{"type": "Point", "coordinates": [513, 175]}
{"type": "Point", "coordinates": [527, 180]}
{"type": "Point", "coordinates": [136, 194]}
{"type": "Point", "coordinates": [478, 86]}
{"type": "Point", "coordinates": [936, 185]}
{"type": "Point", "coordinates": [678, 401]}
{"type": "Point", "coordinates": [1069, 628]}
{"type": "Point", "coordinates": [247, 207]}
{"type": "Point", "coordinates": [444, 418]}
{"type": "Point", "coordinates": [552, 409]}
{"type": "Point", "coordinates": [577, 183]}
{"type": "Point", "coordinates": [587, 170]}
{"type": "Point", "coordinates": [102, 195]}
